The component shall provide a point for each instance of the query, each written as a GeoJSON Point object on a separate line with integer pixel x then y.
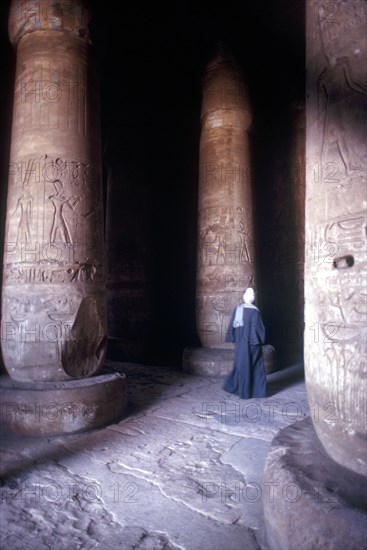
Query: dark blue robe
{"type": "Point", "coordinates": [247, 378]}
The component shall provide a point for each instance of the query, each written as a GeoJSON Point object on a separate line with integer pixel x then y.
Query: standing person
{"type": "Point", "coordinates": [246, 330]}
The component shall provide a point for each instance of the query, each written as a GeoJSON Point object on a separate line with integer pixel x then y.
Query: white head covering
{"type": "Point", "coordinates": [238, 317]}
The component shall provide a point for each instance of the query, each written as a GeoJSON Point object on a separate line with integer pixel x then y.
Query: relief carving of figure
{"type": "Point", "coordinates": [336, 84]}
{"type": "Point", "coordinates": [24, 204]}
{"type": "Point", "coordinates": [245, 237]}
{"type": "Point", "coordinates": [342, 101]}
{"type": "Point", "coordinates": [59, 222]}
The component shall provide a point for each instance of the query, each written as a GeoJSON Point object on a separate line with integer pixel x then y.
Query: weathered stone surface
{"type": "Point", "coordinates": [314, 502]}
{"type": "Point", "coordinates": [53, 296]}
{"type": "Point", "coordinates": [225, 263]}
{"type": "Point", "coordinates": [219, 362]}
{"type": "Point", "coordinates": [207, 361]}
{"type": "Point", "coordinates": [29, 16]}
{"type": "Point", "coordinates": [336, 268]}
{"type": "Point", "coordinates": [182, 469]}
{"type": "Point", "coordinates": [58, 408]}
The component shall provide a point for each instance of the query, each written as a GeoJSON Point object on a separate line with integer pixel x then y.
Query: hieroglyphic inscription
{"type": "Point", "coordinates": [213, 313]}
{"type": "Point", "coordinates": [227, 179]}
{"type": "Point", "coordinates": [54, 218]}
{"type": "Point", "coordinates": [225, 226]}
{"type": "Point", "coordinates": [225, 237]}
{"type": "Point", "coordinates": [223, 83]}
{"type": "Point", "coordinates": [225, 281]}
{"type": "Point", "coordinates": [339, 248]}
{"type": "Point", "coordinates": [349, 232]}
{"type": "Point", "coordinates": [27, 16]}
{"type": "Point", "coordinates": [51, 95]}
{"type": "Point", "coordinates": [224, 172]}
{"type": "Point", "coordinates": [342, 86]}
{"type": "Point", "coordinates": [53, 296]}
{"type": "Point", "coordinates": [86, 273]}
{"type": "Point", "coordinates": [339, 235]}
{"type": "Point", "coordinates": [335, 270]}
{"type": "Point", "coordinates": [342, 313]}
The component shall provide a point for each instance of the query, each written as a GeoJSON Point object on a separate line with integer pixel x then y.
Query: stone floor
{"type": "Point", "coordinates": [182, 470]}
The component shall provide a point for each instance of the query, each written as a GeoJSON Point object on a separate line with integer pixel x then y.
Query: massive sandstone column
{"type": "Point", "coordinates": [53, 296]}
{"type": "Point", "coordinates": [225, 233]}
{"type": "Point", "coordinates": [336, 269]}
{"type": "Point", "coordinates": [322, 458]}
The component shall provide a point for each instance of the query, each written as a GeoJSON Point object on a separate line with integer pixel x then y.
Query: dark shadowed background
{"type": "Point", "coordinates": [151, 60]}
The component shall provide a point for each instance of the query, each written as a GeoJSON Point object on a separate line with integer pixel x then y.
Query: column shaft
{"type": "Point", "coordinates": [225, 233]}
{"type": "Point", "coordinates": [335, 274]}
{"type": "Point", "coordinates": [53, 296]}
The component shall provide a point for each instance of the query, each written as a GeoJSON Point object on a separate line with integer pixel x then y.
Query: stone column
{"type": "Point", "coordinates": [53, 296]}
{"type": "Point", "coordinates": [336, 269]}
{"type": "Point", "coordinates": [225, 261]}
{"type": "Point", "coordinates": [225, 234]}
{"type": "Point", "coordinates": [323, 458]}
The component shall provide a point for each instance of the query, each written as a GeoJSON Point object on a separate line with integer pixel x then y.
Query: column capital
{"type": "Point", "coordinates": [27, 16]}
{"type": "Point", "coordinates": [223, 85]}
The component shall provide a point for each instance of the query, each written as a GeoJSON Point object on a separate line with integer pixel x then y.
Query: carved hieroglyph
{"type": "Point", "coordinates": [225, 263]}
{"type": "Point", "coordinates": [335, 275]}
{"type": "Point", "coordinates": [53, 323]}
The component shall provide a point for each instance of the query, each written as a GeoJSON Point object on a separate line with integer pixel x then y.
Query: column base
{"type": "Point", "coordinates": [208, 361]}
{"type": "Point", "coordinates": [219, 361]}
{"type": "Point", "coordinates": [59, 408]}
{"type": "Point", "coordinates": [310, 501]}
